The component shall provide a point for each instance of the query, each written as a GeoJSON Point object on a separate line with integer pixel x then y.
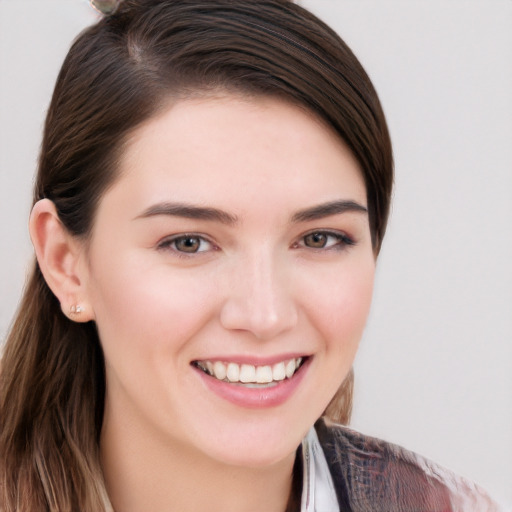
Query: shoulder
{"type": "Point", "coordinates": [371, 474]}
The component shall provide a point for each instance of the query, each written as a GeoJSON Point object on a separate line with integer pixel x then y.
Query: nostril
{"type": "Point", "coordinates": [260, 298]}
{"type": "Point", "coordinates": [263, 322]}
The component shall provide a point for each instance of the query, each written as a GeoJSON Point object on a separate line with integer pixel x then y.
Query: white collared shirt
{"type": "Point", "coordinates": [318, 493]}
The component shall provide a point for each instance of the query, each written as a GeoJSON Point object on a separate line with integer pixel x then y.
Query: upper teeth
{"type": "Point", "coordinates": [248, 373]}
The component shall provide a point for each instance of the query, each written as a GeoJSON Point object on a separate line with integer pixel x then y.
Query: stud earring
{"type": "Point", "coordinates": [75, 309]}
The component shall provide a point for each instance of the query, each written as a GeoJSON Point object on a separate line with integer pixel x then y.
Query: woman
{"type": "Point", "coordinates": [212, 193]}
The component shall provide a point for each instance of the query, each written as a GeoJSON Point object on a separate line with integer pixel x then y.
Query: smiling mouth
{"type": "Point", "coordinates": [251, 375]}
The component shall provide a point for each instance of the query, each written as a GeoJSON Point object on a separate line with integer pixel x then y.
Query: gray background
{"type": "Point", "coordinates": [434, 369]}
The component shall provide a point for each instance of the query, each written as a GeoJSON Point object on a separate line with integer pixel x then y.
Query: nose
{"type": "Point", "coordinates": [260, 298]}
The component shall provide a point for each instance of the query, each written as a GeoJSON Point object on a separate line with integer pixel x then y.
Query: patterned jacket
{"type": "Point", "coordinates": [371, 475]}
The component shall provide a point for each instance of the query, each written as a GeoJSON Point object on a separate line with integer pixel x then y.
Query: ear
{"type": "Point", "coordinates": [61, 259]}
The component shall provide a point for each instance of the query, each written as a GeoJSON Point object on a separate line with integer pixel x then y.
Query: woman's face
{"type": "Point", "coordinates": [235, 243]}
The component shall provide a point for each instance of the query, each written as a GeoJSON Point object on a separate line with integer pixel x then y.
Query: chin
{"type": "Point", "coordinates": [254, 457]}
{"type": "Point", "coordinates": [254, 444]}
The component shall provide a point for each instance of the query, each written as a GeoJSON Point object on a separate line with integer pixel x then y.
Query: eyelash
{"type": "Point", "coordinates": [341, 242]}
{"type": "Point", "coordinates": [170, 244]}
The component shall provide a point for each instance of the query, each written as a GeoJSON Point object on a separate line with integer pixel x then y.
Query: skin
{"type": "Point", "coordinates": [256, 288]}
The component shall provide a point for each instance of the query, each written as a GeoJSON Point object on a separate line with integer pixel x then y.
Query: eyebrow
{"type": "Point", "coordinates": [327, 209]}
{"type": "Point", "coordinates": [188, 211]}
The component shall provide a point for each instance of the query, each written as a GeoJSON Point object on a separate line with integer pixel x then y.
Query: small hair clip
{"type": "Point", "coordinates": [105, 7]}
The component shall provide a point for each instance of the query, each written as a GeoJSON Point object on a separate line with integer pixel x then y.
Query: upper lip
{"type": "Point", "coordinates": [254, 360]}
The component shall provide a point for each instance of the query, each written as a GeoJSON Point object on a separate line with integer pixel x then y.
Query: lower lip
{"type": "Point", "coordinates": [256, 398]}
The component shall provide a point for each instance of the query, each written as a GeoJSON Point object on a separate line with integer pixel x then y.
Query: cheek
{"type": "Point", "coordinates": [147, 309]}
{"type": "Point", "coordinates": [340, 311]}
{"type": "Point", "coordinates": [338, 314]}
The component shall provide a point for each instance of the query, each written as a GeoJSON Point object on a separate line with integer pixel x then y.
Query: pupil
{"type": "Point", "coordinates": [189, 244]}
{"type": "Point", "coordinates": [317, 240]}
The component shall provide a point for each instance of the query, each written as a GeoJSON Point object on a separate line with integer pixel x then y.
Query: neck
{"type": "Point", "coordinates": [145, 472]}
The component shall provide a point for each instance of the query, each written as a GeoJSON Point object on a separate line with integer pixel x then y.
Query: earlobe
{"type": "Point", "coordinates": [59, 256]}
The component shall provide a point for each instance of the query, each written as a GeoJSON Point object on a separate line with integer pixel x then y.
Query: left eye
{"type": "Point", "coordinates": [325, 240]}
{"type": "Point", "coordinates": [190, 244]}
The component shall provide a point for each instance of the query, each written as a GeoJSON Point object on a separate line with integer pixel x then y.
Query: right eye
{"type": "Point", "coordinates": [188, 244]}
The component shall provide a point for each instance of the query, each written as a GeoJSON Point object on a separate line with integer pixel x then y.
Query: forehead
{"type": "Point", "coordinates": [240, 151]}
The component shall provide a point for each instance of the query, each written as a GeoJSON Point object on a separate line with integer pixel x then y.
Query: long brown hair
{"type": "Point", "coordinates": [117, 74]}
